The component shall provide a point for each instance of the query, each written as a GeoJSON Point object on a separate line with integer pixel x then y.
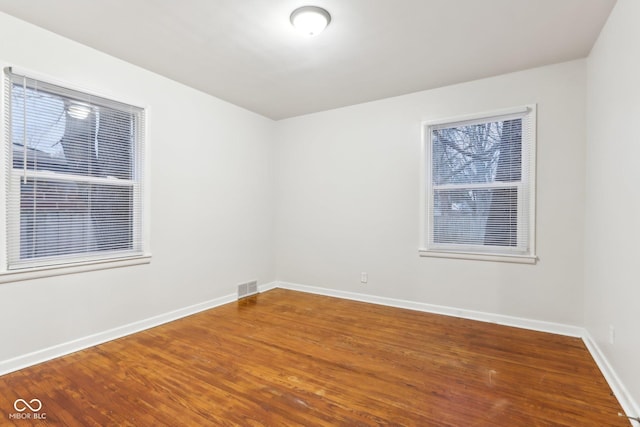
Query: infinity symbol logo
{"type": "Point", "coordinates": [21, 405]}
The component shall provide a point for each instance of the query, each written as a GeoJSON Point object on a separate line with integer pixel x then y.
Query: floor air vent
{"type": "Point", "coordinates": [247, 289]}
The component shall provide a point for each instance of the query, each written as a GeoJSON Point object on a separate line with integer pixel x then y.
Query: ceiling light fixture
{"type": "Point", "coordinates": [310, 20]}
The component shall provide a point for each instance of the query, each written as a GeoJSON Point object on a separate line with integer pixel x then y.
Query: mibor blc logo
{"type": "Point", "coordinates": [34, 406]}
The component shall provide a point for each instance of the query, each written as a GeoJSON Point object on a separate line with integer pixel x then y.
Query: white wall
{"type": "Point", "coordinates": [211, 165]}
{"type": "Point", "coordinates": [348, 189]}
{"type": "Point", "coordinates": [612, 228]}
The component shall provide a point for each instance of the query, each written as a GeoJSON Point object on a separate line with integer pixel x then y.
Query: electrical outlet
{"type": "Point", "coordinates": [612, 334]}
{"type": "Point", "coordinates": [364, 277]}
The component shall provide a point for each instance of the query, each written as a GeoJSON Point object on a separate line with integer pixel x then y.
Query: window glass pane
{"type": "Point", "coordinates": [43, 135]}
{"type": "Point", "coordinates": [64, 217]}
{"type": "Point", "coordinates": [66, 135]}
{"type": "Point", "coordinates": [477, 153]}
{"type": "Point", "coordinates": [485, 217]}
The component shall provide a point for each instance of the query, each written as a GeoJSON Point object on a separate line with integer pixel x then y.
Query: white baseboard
{"type": "Point", "coordinates": [617, 386]}
{"type": "Point", "coordinates": [39, 356]}
{"type": "Point", "coordinates": [268, 286]}
{"type": "Point", "coordinates": [629, 406]}
{"type": "Point", "coordinates": [519, 322]}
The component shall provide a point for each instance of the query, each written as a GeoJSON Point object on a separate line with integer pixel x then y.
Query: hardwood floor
{"type": "Point", "coordinates": [286, 358]}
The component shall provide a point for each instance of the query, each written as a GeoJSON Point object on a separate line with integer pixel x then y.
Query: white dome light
{"type": "Point", "coordinates": [310, 20]}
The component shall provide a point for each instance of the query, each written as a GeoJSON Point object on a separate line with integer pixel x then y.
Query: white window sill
{"type": "Point", "coordinates": [59, 270]}
{"type": "Point", "coordinates": [518, 259]}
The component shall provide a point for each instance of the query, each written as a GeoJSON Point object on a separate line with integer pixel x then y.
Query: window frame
{"type": "Point", "coordinates": [46, 268]}
{"type": "Point", "coordinates": [522, 253]}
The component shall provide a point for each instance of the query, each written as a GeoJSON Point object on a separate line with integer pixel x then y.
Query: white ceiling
{"type": "Point", "coordinates": [247, 53]}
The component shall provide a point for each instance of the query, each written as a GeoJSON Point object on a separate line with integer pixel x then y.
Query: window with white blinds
{"type": "Point", "coordinates": [480, 186]}
{"type": "Point", "coordinates": [74, 175]}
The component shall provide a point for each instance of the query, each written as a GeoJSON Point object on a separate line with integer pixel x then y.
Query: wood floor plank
{"type": "Point", "coordinates": [287, 358]}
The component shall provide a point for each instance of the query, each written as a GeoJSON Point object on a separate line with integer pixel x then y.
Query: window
{"type": "Point", "coordinates": [74, 176]}
{"type": "Point", "coordinates": [479, 187]}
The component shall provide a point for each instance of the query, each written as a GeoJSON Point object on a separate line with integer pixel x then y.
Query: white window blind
{"type": "Point", "coordinates": [74, 178]}
{"type": "Point", "coordinates": [480, 184]}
